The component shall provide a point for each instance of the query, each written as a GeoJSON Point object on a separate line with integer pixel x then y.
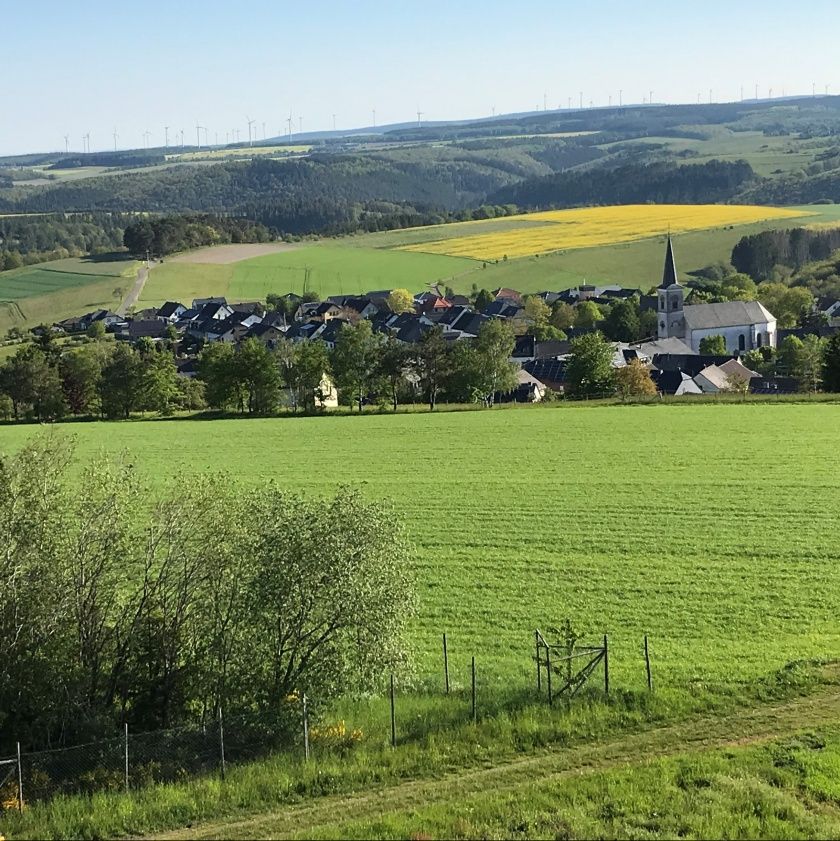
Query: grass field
{"type": "Point", "coordinates": [563, 230]}
{"type": "Point", "coordinates": [718, 543]}
{"type": "Point", "coordinates": [237, 152]}
{"type": "Point", "coordinates": [48, 292]}
{"type": "Point", "coordinates": [326, 268]}
{"type": "Point", "coordinates": [397, 258]}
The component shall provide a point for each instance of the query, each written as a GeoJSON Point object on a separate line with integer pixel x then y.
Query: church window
{"type": "Point", "coordinates": [662, 302]}
{"type": "Point", "coordinates": [742, 342]}
{"type": "Point", "coordinates": [758, 339]}
{"type": "Point", "coordinates": [674, 303]}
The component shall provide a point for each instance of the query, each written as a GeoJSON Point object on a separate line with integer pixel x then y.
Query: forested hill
{"type": "Point", "coordinates": [450, 178]}
{"type": "Point", "coordinates": [661, 183]}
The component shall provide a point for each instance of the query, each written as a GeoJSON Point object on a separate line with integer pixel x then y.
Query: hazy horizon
{"type": "Point", "coordinates": [134, 70]}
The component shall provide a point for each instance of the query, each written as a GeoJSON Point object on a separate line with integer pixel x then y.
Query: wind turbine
{"type": "Point", "coordinates": [115, 138]}
{"type": "Point", "coordinates": [419, 119]}
{"type": "Point", "coordinates": [570, 103]}
{"type": "Point", "coordinates": [650, 98]}
{"type": "Point", "coordinates": [374, 118]}
{"type": "Point", "coordinates": [86, 138]}
{"type": "Point", "coordinates": [289, 121]}
{"type": "Point", "coordinates": [493, 110]}
{"type": "Point", "coordinates": [198, 135]}
{"type": "Point", "coordinates": [166, 136]}
{"type": "Point", "coordinates": [581, 100]}
{"type": "Point", "coordinates": [146, 135]}
{"type": "Point", "coordinates": [250, 123]}
{"type": "Point", "coordinates": [206, 141]}
{"type": "Point", "coordinates": [182, 138]}
{"type": "Point", "coordinates": [333, 122]}
{"type": "Point", "coordinates": [620, 98]}
{"type": "Point", "coordinates": [263, 131]}
{"type": "Point", "coordinates": [545, 101]}
{"type": "Point", "coordinates": [67, 143]}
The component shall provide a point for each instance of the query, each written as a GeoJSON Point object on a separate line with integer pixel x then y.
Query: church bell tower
{"type": "Point", "coordinates": [671, 299]}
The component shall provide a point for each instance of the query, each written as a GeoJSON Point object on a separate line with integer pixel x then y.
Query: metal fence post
{"type": "Point", "coordinates": [647, 666]}
{"type": "Point", "coordinates": [126, 757]}
{"type": "Point", "coordinates": [537, 649]}
{"type": "Point", "coordinates": [20, 780]}
{"type": "Point", "coordinates": [393, 715]}
{"type": "Point", "coordinates": [445, 665]}
{"type": "Point", "coordinates": [305, 730]}
{"type": "Point", "coordinates": [548, 673]}
{"type": "Point", "coordinates": [606, 667]}
{"type": "Point", "coordinates": [474, 713]}
{"type": "Point", "coordinates": [222, 742]}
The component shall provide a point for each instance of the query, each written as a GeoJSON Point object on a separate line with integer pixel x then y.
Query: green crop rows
{"type": "Point", "coordinates": [711, 528]}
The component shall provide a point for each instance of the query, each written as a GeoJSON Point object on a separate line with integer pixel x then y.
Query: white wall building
{"type": "Point", "coordinates": [744, 325]}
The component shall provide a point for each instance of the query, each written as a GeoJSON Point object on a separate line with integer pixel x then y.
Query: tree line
{"type": "Point", "coordinates": [170, 234]}
{"type": "Point", "coordinates": [35, 239]}
{"type": "Point", "coordinates": [662, 182]}
{"type": "Point", "coordinates": [758, 255]}
{"type": "Point", "coordinates": [159, 607]}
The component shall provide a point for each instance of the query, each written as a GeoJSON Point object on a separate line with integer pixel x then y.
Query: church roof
{"type": "Point", "coordinates": [728, 314]}
{"type": "Point", "coordinates": [669, 273]}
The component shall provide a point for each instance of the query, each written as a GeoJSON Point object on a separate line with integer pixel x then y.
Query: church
{"type": "Point", "coordinates": [744, 325]}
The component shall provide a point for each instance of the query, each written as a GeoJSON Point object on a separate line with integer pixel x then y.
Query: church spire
{"type": "Point", "coordinates": [669, 275]}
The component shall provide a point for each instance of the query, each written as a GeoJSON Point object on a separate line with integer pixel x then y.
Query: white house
{"type": "Point", "coordinates": [744, 325]}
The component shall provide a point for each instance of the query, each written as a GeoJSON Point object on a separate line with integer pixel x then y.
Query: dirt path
{"type": "Point", "coordinates": [134, 293]}
{"type": "Point", "coordinates": [221, 255]}
{"type": "Point", "coordinates": [744, 727]}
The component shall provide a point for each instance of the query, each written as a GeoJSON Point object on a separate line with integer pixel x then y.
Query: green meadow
{"type": "Point", "coordinates": [326, 268]}
{"type": "Point", "coordinates": [48, 292]}
{"type": "Point", "coordinates": [356, 264]}
{"type": "Point", "coordinates": [708, 527]}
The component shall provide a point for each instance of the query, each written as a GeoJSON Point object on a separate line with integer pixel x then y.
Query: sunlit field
{"type": "Point", "coordinates": [595, 226]}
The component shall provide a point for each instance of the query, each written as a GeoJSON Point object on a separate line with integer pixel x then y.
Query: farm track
{"type": "Point", "coordinates": [746, 727]}
{"type": "Point", "coordinates": [136, 290]}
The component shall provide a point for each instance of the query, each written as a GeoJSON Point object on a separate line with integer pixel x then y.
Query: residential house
{"type": "Point", "coordinates": [171, 311]}
{"type": "Point", "coordinates": [147, 328]}
{"type": "Point", "coordinates": [674, 382]}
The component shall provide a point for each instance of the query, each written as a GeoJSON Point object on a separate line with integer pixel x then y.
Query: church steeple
{"type": "Point", "coordinates": [669, 274]}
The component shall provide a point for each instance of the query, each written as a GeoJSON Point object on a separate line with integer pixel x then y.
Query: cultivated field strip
{"type": "Point", "coordinates": [711, 528]}
{"type": "Point", "coordinates": [590, 227]}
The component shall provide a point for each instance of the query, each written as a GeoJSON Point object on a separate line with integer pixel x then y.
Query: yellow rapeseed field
{"type": "Point", "coordinates": [559, 230]}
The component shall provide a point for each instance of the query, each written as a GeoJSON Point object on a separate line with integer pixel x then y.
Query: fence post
{"type": "Point", "coordinates": [305, 730]}
{"type": "Point", "coordinates": [445, 665]}
{"type": "Point", "coordinates": [474, 714]}
{"type": "Point", "coordinates": [647, 665]}
{"type": "Point", "coordinates": [548, 674]}
{"type": "Point", "coordinates": [606, 667]}
{"type": "Point", "coordinates": [393, 715]}
{"type": "Point", "coordinates": [222, 741]}
{"type": "Point", "coordinates": [126, 757]}
{"type": "Point", "coordinates": [537, 649]}
{"type": "Point", "coordinates": [20, 780]}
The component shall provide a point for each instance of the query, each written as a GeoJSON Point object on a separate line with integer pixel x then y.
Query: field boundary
{"type": "Point", "coordinates": [752, 726]}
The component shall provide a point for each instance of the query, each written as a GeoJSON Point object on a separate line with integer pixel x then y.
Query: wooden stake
{"type": "Point", "coordinates": [20, 780]}
{"type": "Point", "coordinates": [647, 665]}
{"type": "Point", "coordinates": [305, 729]}
{"type": "Point", "coordinates": [474, 714]}
{"type": "Point", "coordinates": [537, 649]}
{"type": "Point", "coordinates": [606, 667]}
{"type": "Point", "coordinates": [222, 743]}
{"type": "Point", "coordinates": [445, 665]}
{"type": "Point", "coordinates": [126, 757]}
{"type": "Point", "coordinates": [548, 673]}
{"type": "Point", "coordinates": [393, 716]}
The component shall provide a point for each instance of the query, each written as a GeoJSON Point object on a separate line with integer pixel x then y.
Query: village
{"type": "Point", "coordinates": [696, 348]}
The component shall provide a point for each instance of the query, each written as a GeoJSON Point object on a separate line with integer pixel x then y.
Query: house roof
{"type": "Point", "coordinates": [734, 368]}
{"type": "Point", "coordinates": [714, 375]}
{"type": "Point", "coordinates": [726, 314]}
{"type": "Point", "coordinates": [671, 345]}
{"type": "Point", "coordinates": [670, 382]}
{"type": "Point", "coordinates": [504, 292]}
{"type": "Point", "coordinates": [689, 363]}
{"type": "Point", "coordinates": [170, 308]}
{"type": "Point", "coordinates": [669, 273]}
{"type": "Point", "coordinates": [152, 328]}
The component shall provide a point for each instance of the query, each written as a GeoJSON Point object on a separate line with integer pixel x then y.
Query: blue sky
{"type": "Point", "coordinates": [69, 68]}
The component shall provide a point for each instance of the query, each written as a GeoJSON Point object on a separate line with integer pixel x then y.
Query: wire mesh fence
{"type": "Point", "coordinates": [133, 760]}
